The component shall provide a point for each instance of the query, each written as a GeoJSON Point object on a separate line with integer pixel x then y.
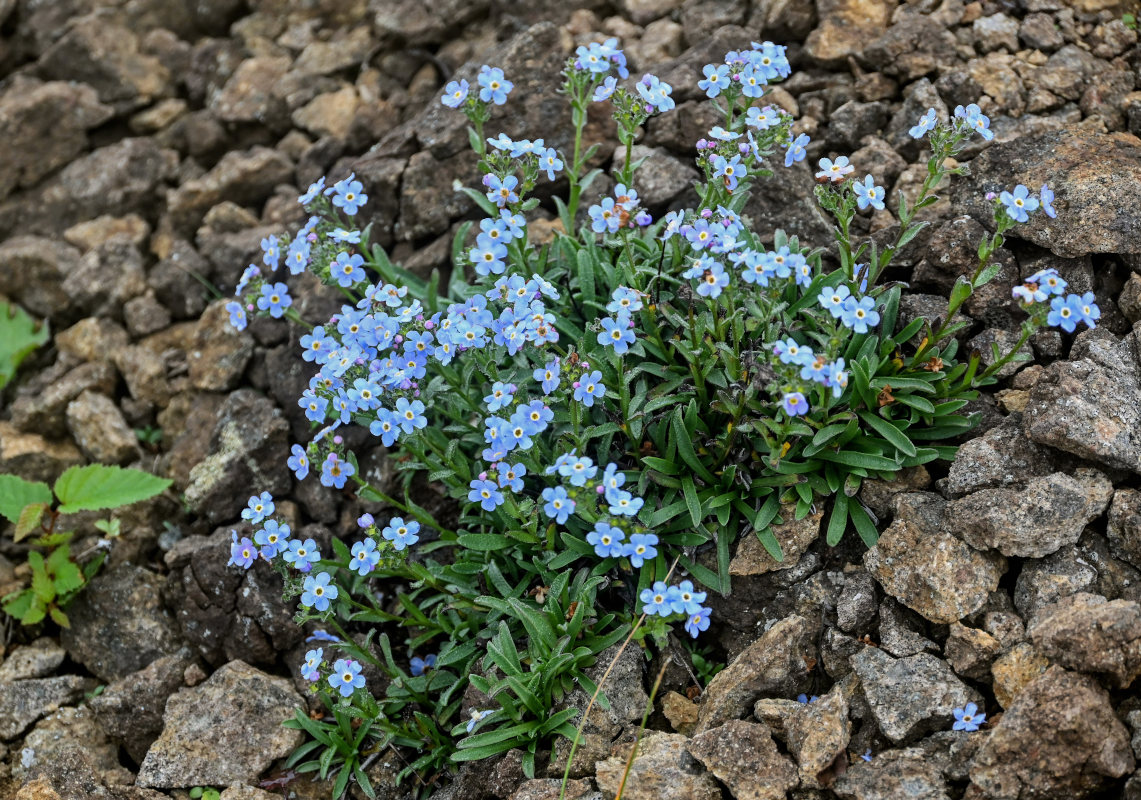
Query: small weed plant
{"type": "Point", "coordinates": [20, 335]}
{"type": "Point", "coordinates": [35, 508]}
{"type": "Point", "coordinates": [610, 411]}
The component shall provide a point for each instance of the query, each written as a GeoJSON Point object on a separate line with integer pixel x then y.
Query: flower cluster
{"type": "Point", "coordinates": [1065, 311]}
{"type": "Point", "coordinates": [746, 71]}
{"type": "Point", "coordinates": [666, 601]}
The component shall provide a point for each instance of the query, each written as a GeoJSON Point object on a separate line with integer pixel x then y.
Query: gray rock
{"type": "Point", "coordinates": [23, 702]}
{"type": "Point", "coordinates": [918, 561]}
{"type": "Point", "coordinates": [970, 651]}
{"type": "Point", "coordinates": [1046, 515]}
{"type": "Point", "coordinates": [1003, 456]}
{"type": "Point", "coordinates": [410, 23]}
{"type": "Point", "coordinates": [1043, 581]}
{"type": "Point", "coordinates": [552, 789]}
{"type": "Point", "coordinates": [1087, 633]}
{"type": "Point", "coordinates": [910, 696]}
{"type": "Point", "coordinates": [661, 177]}
{"type": "Point", "coordinates": [66, 730]}
{"type": "Point", "coordinates": [914, 46]}
{"type": "Point", "coordinates": [1059, 738]}
{"type": "Point", "coordinates": [226, 730]}
{"type": "Point", "coordinates": [36, 660]}
{"type": "Point", "coordinates": [45, 412]}
{"type": "Point", "coordinates": [253, 94]}
{"type": "Point", "coordinates": [1038, 31]}
{"type": "Point", "coordinates": [996, 32]}
{"type": "Point", "coordinates": [118, 623]}
{"type": "Point", "coordinates": [219, 352]}
{"type": "Point", "coordinates": [130, 709]}
{"type": "Point", "coordinates": [662, 770]}
{"type": "Point", "coordinates": [1124, 527]}
{"type": "Point", "coordinates": [99, 429]}
{"type": "Point", "coordinates": [893, 775]}
{"type": "Point", "coordinates": [36, 270]}
{"type": "Point", "coordinates": [244, 457]}
{"type": "Point", "coordinates": [1095, 178]}
{"type": "Point", "coordinates": [744, 757]}
{"type": "Point", "coordinates": [144, 315]}
{"type": "Point", "coordinates": [244, 177]}
{"type": "Point", "coordinates": [857, 605]}
{"type": "Point", "coordinates": [108, 276]}
{"type": "Point", "coordinates": [775, 664]}
{"type": "Point", "coordinates": [789, 204]}
{"type": "Point", "coordinates": [144, 372]}
{"type": "Point", "coordinates": [1090, 406]}
{"type": "Point", "coordinates": [851, 122]}
{"type": "Point", "coordinates": [44, 126]}
{"type": "Point", "coordinates": [794, 535]}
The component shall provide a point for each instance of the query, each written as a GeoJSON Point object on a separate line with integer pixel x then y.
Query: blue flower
{"type": "Point", "coordinates": [656, 600]}
{"type": "Point", "coordinates": [655, 93]}
{"type": "Point", "coordinates": [790, 352]}
{"type": "Point", "coordinates": [243, 553]}
{"type": "Point", "coordinates": [833, 300]}
{"type": "Point", "coordinates": [271, 538]}
{"type": "Point", "coordinates": [321, 636]}
{"type": "Point", "coordinates": [477, 716]}
{"type": "Point", "coordinates": [606, 540]}
{"type": "Point", "coordinates": [859, 315]}
{"type": "Point", "coordinates": [729, 170]}
{"type": "Point", "coordinates": [347, 269]}
{"type": "Point", "coordinates": [640, 548]}
{"type": "Point", "coordinates": [868, 194]}
{"type": "Point", "coordinates": [713, 280]}
{"type": "Point", "coordinates": [343, 236]}
{"type": "Point", "coordinates": [762, 118]}
{"type": "Point", "coordinates": [501, 192]}
{"type": "Point", "coordinates": [796, 151]}
{"type": "Point", "coordinates": [365, 520]}
{"type": "Point", "coordinates": [805, 699]}
{"type": "Point", "coordinates": [589, 388]}
{"type": "Point", "coordinates": [558, 506]}
{"type": "Point", "coordinates": [349, 196]}
{"type": "Point", "coordinates": [624, 299]}
{"type": "Point", "coordinates": [622, 503]}
{"type": "Point", "coordinates": [411, 415]}
{"type": "Point", "coordinates": [548, 376]}
{"type": "Point", "coordinates": [605, 89]}
{"type": "Point", "coordinates": [1065, 313]}
{"type": "Point", "coordinates": [237, 314]}
{"type": "Point", "coordinates": [316, 592]}
{"type": "Point", "coordinates": [604, 217]}
{"type": "Point", "coordinates": [835, 171]}
{"type": "Point", "coordinates": [270, 252]}
{"type": "Point", "coordinates": [617, 332]}
{"type": "Point", "coordinates": [716, 79]}
{"type": "Point", "coordinates": [1018, 203]}
{"type": "Point", "coordinates": [550, 162]}
{"type": "Point", "coordinates": [386, 426]}
{"type": "Point", "coordinates": [511, 475]}
{"type": "Point", "coordinates": [579, 470]}
{"type": "Point", "coordinates": [455, 93]}
{"type": "Point", "coordinates": [1046, 196]}
{"type": "Point", "coordinates": [698, 622]}
{"type": "Point", "coordinates": [968, 718]}
{"type": "Point", "coordinates": [494, 88]}
{"type": "Point", "coordinates": [1088, 309]}
{"type": "Point", "coordinates": [312, 662]}
{"type": "Point", "coordinates": [794, 404]}
{"type": "Point", "coordinates": [298, 256]}
{"type": "Point", "coordinates": [688, 600]}
{"type": "Point", "coordinates": [418, 666]}
{"type": "Point", "coordinates": [346, 677]}
{"type": "Point", "coordinates": [925, 124]}
{"type": "Point", "coordinates": [335, 471]}
{"type": "Point", "coordinates": [486, 493]}
{"type": "Point", "coordinates": [365, 556]}
{"type": "Point", "coordinates": [275, 299]}
{"type": "Point", "coordinates": [259, 507]}
{"type": "Point", "coordinates": [501, 395]}
{"type": "Point", "coordinates": [400, 533]}
{"type": "Point", "coordinates": [302, 555]}
{"type": "Point", "coordinates": [975, 120]}
{"type": "Point", "coordinates": [315, 189]}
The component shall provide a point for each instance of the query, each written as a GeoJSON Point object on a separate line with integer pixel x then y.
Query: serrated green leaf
{"type": "Point", "coordinates": [99, 486]}
{"type": "Point", "coordinates": [16, 494]}
{"type": "Point", "coordinates": [20, 335]}
{"type": "Point", "coordinates": [29, 520]}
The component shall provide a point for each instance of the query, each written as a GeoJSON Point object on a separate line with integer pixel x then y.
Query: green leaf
{"type": "Point", "coordinates": [29, 520]}
{"type": "Point", "coordinates": [894, 435]}
{"type": "Point", "coordinates": [20, 335]}
{"type": "Point", "coordinates": [17, 493]}
{"type": "Point", "coordinates": [685, 447]}
{"type": "Point", "coordinates": [99, 486]}
{"type": "Point", "coordinates": [864, 525]}
{"type": "Point", "coordinates": [691, 501]}
{"type": "Point", "coordinates": [852, 458]}
{"type": "Point", "coordinates": [484, 541]}
{"type": "Point", "coordinates": [961, 291]}
{"type": "Point", "coordinates": [839, 520]}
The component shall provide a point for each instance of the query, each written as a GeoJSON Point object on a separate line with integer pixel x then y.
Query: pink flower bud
{"type": "Point", "coordinates": [483, 476]}
{"type": "Point", "coordinates": [576, 384]}
{"type": "Point", "coordinates": [337, 440]}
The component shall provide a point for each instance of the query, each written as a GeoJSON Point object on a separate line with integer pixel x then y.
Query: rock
{"type": "Point", "coordinates": [851, 122]}
{"type": "Point", "coordinates": [1047, 580]}
{"type": "Point", "coordinates": [880, 495]}
{"type": "Point", "coordinates": [818, 734]}
{"type": "Point", "coordinates": [35, 275]}
{"type": "Point", "coordinates": [857, 605]}
{"type": "Point", "coordinates": [244, 177]}
{"type": "Point", "coordinates": [174, 284]}
{"type": "Point", "coordinates": [144, 315]}
{"type": "Point", "coordinates": [105, 55]}
{"type": "Point", "coordinates": [329, 114]}
{"type": "Point", "coordinates": [745, 758]}
{"type": "Point", "coordinates": [244, 457]}
{"type": "Point", "coordinates": [920, 563]}
{"type": "Point", "coordinates": [144, 372]}
{"type": "Point", "coordinates": [130, 709]}
{"type": "Point", "coordinates": [911, 48]}
{"type": "Point", "coordinates": [1059, 738]}
{"type": "Point", "coordinates": [1006, 340]}
{"type": "Point", "coordinates": [1046, 515]}
{"type": "Point", "coordinates": [1087, 633]}
{"type": "Point", "coordinates": [253, 94]}
{"type": "Point", "coordinates": [893, 775]}
{"type": "Point", "coordinates": [66, 730]}
{"type": "Point", "coordinates": [36, 660]}
{"type": "Point", "coordinates": [1124, 527]}
{"type": "Point", "coordinates": [219, 352]}
{"type": "Point", "coordinates": [910, 696]}
{"type": "Point", "coordinates": [90, 234]}
{"type": "Point", "coordinates": [1129, 301]}
{"type": "Point", "coordinates": [846, 26]}
{"type": "Point", "coordinates": [998, 31]}
{"type": "Point", "coordinates": [107, 277]}
{"type": "Point", "coordinates": [552, 789]}
{"type": "Point", "coordinates": [795, 536]}
{"type": "Point", "coordinates": [1014, 670]}
{"type": "Point", "coordinates": [410, 23]}
{"type": "Point", "coordinates": [119, 179]}
{"type": "Point", "coordinates": [970, 651]}
{"type": "Point", "coordinates": [226, 730]}
{"type": "Point", "coordinates": [641, 12]}
{"type": "Point", "coordinates": [1039, 32]}
{"type": "Point", "coordinates": [33, 457]}
{"type": "Point", "coordinates": [790, 205]}
{"type": "Point", "coordinates": [99, 429]}
{"type": "Point", "coordinates": [44, 126]}
{"type": "Point", "coordinates": [1003, 456]}
{"type": "Point", "coordinates": [1095, 178]}
{"type": "Point", "coordinates": [662, 770]}
{"type": "Point", "coordinates": [45, 412]}
{"type": "Point", "coordinates": [118, 623]}
{"type": "Point", "coordinates": [680, 711]}
{"type": "Point", "coordinates": [661, 177]}
{"type": "Point", "coordinates": [23, 702]}
{"type": "Point", "coordinates": [92, 339]}
{"type": "Point", "coordinates": [775, 664]}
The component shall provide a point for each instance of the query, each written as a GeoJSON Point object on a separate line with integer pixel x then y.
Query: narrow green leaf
{"type": "Point", "coordinates": [838, 521]}
{"type": "Point", "coordinates": [894, 435]}
{"type": "Point", "coordinates": [691, 501]}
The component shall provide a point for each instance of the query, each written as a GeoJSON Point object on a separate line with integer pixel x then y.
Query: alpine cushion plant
{"type": "Point", "coordinates": [609, 411]}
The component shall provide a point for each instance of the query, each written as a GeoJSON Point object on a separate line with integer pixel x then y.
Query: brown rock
{"type": "Point", "coordinates": [329, 114]}
{"type": "Point", "coordinates": [252, 93]}
{"type": "Point", "coordinates": [744, 757]}
{"type": "Point", "coordinates": [1059, 738]}
{"type": "Point", "coordinates": [33, 457]}
{"type": "Point", "coordinates": [846, 26]}
{"type": "Point", "coordinates": [795, 537]}
{"type": "Point", "coordinates": [970, 651]}
{"type": "Point", "coordinates": [818, 734]}
{"type": "Point", "coordinates": [99, 429]}
{"type": "Point", "coordinates": [1124, 527]}
{"type": "Point", "coordinates": [1087, 633]}
{"type": "Point", "coordinates": [893, 775]}
{"type": "Point", "coordinates": [662, 770]}
{"type": "Point", "coordinates": [244, 177]}
{"type": "Point", "coordinates": [1014, 670]}
{"type": "Point", "coordinates": [680, 711]}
